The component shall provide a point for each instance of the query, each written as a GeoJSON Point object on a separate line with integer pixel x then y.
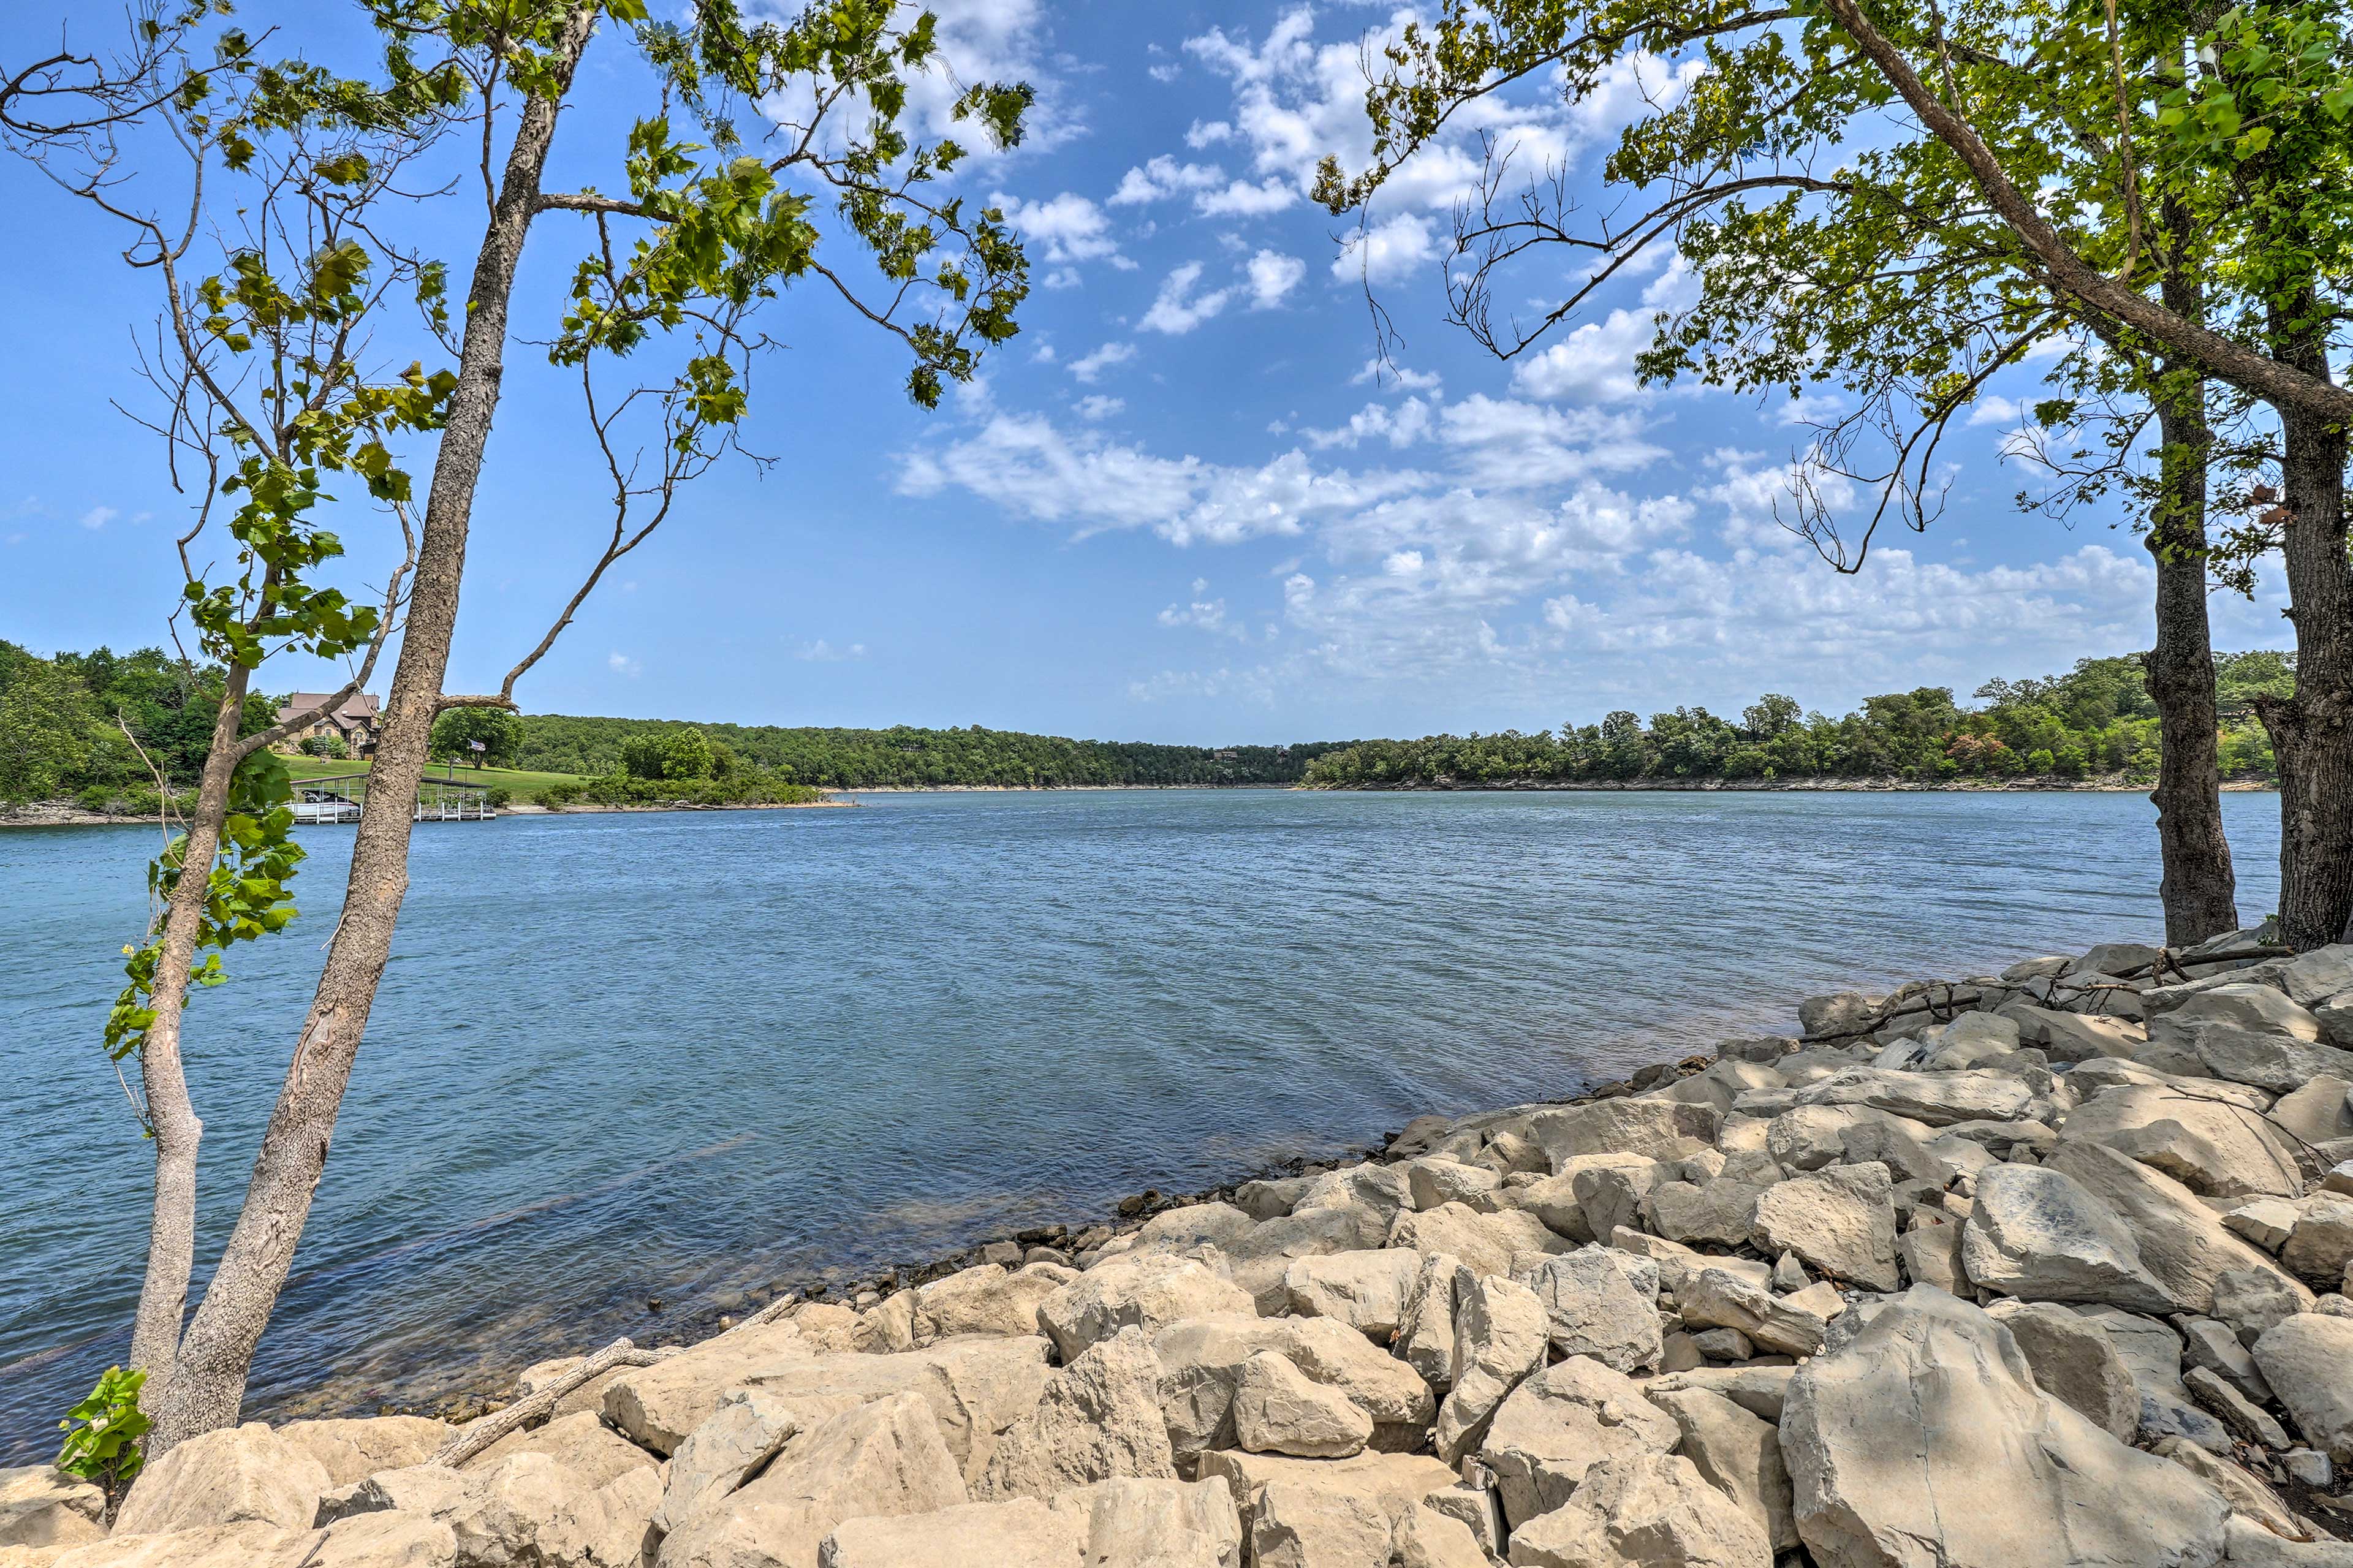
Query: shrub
{"type": "Point", "coordinates": [2038, 760]}
{"type": "Point", "coordinates": [500, 798]}
{"type": "Point", "coordinates": [326, 746]}
{"type": "Point", "coordinates": [102, 1433]}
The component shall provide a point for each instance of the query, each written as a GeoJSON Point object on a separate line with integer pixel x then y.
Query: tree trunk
{"type": "Point", "coordinates": [217, 1353]}
{"type": "Point", "coordinates": [2312, 732]}
{"type": "Point", "coordinates": [2197, 887]}
{"type": "Point", "coordinates": [171, 1115]}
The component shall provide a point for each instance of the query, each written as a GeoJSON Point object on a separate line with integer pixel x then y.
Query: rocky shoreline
{"type": "Point", "coordinates": [2116, 784]}
{"type": "Point", "coordinates": [2038, 1268]}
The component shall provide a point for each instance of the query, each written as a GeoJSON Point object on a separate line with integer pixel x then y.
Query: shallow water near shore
{"type": "Point", "coordinates": [621, 1058]}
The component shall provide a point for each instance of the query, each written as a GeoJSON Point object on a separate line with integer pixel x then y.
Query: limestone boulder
{"type": "Point", "coordinates": [376, 1541]}
{"type": "Point", "coordinates": [1136, 1523]}
{"type": "Point", "coordinates": [2036, 1234]}
{"type": "Point", "coordinates": [1736, 1453]}
{"type": "Point", "coordinates": [40, 1505]}
{"type": "Point", "coordinates": [1641, 1509]}
{"type": "Point", "coordinates": [1931, 1255]}
{"type": "Point", "coordinates": [2320, 1242]}
{"type": "Point", "coordinates": [1839, 1219]}
{"type": "Point", "coordinates": [579, 1442]}
{"type": "Point", "coordinates": [2317, 1111]}
{"type": "Point", "coordinates": [1310, 1513]}
{"type": "Point", "coordinates": [1656, 1128]}
{"type": "Point", "coordinates": [2272, 1060]}
{"type": "Point", "coordinates": [1500, 1333]}
{"type": "Point", "coordinates": [1279, 1410]}
{"type": "Point", "coordinates": [1716, 1298]}
{"type": "Point", "coordinates": [986, 1299]}
{"type": "Point", "coordinates": [1425, 1538]}
{"type": "Point", "coordinates": [880, 1459]}
{"type": "Point", "coordinates": [736, 1442]}
{"type": "Point", "coordinates": [1377, 1189]}
{"type": "Point", "coordinates": [1610, 1191]}
{"type": "Point", "coordinates": [2182, 1242]}
{"type": "Point", "coordinates": [1097, 1419]}
{"type": "Point", "coordinates": [1714, 1214]}
{"type": "Point", "coordinates": [1927, 1429]}
{"type": "Point", "coordinates": [1365, 1291]}
{"type": "Point", "coordinates": [1601, 1302]}
{"type": "Point", "coordinates": [1561, 1422]}
{"type": "Point", "coordinates": [233, 1476]}
{"type": "Point", "coordinates": [1433, 1181]}
{"type": "Point", "coordinates": [2218, 1149]}
{"type": "Point", "coordinates": [2151, 1350]}
{"type": "Point", "coordinates": [350, 1449]}
{"type": "Point", "coordinates": [2308, 1361]}
{"type": "Point", "coordinates": [1201, 1365]}
{"type": "Point", "coordinates": [2075, 1036]}
{"type": "Point", "coordinates": [1937, 1099]}
{"type": "Point", "coordinates": [2263, 1009]}
{"type": "Point", "coordinates": [2075, 1362]}
{"type": "Point", "coordinates": [1261, 1260]}
{"type": "Point", "coordinates": [1140, 1291]}
{"type": "Point", "coordinates": [657, 1405]}
{"type": "Point", "coordinates": [968, 1535]}
{"type": "Point", "coordinates": [1484, 1243]}
{"type": "Point", "coordinates": [974, 1387]}
{"type": "Point", "coordinates": [1425, 1336]}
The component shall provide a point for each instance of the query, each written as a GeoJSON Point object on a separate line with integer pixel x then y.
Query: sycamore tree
{"type": "Point", "coordinates": [1903, 202]}
{"type": "Point", "coordinates": [762, 154]}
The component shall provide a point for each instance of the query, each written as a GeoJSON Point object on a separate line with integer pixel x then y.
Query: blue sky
{"type": "Point", "coordinates": [1179, 506]}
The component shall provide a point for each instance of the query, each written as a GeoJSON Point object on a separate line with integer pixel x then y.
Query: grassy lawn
{"type": "Point", "coordinates": [525, 785]}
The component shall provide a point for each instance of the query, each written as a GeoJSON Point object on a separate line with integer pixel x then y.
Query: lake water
{"type": "Point", "coordinates": [682, 1055]}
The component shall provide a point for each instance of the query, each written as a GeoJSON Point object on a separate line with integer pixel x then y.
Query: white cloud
{"type": "Point", "coordinates": [1243, 199]}
{"type": "Point", "coordinates": [1178, 309]}
{"type": "Point", "coordinates": [1202, 614]}
{"type": "Point", "coordinates": [1207, 133]}
{"type": "Point", "coordinates": [1091, 366]}
{"type": "Point", "coordinates": [1401, 425]}
{"type": "Point", "coordinates": [1995, 411]}
{"type": "Point", "coordinates": [1381, 373]}
{"type": "Point", "coordinates": [1065, 228]}
{"type": "Point", "coordinates": [1097, 407]}
{"type": "Point", "coordinates": [823, 652]}
{"type": "Point", "coordinates": [98, 517]}
{"type": "Point", "coordinates": [620, 663]}
{"type": "Point", "coordinates": [1273, 275]}
{"type": "Point", "coordinates": [1386, 251]}
{"type": "Point", "coordinates": [1595, 362]}
{"type": "Point", "coordinates": [1164, 177]}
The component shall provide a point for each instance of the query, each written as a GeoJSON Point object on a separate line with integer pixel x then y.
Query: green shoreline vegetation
{"type": "Point", "coordinates": [95, 728]}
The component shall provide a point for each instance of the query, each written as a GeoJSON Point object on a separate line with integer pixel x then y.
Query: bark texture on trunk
{"type": "Point", "coordinates": [170, 1114]}
{"type": "Point", "coordinates": [217, 1353]}
{"type": "Point", "coordinates": [2312, 732]}
{"type": "Point", "coordinates": [2199, 887]}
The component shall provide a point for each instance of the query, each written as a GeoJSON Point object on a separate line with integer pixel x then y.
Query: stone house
{"type": "Point", "coordinates": [355, 724]}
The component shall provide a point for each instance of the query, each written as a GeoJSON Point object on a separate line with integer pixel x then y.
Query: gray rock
{"type": "Point", "coordinates": [1557, 1423]}
{"type": "Point", "coordinates": [2116, 958]}
{"type": "Point", "coordinates": [967, 1535]}
{"type": "Point", "coordinates": [1928, 1431]}
{"type": "Point", "coordinates": [2075, 1362]}
{"type": "Point", "coordinates": [2075, 1036]}
{"type": "Point", "coordinates": [2219, 1150]}
{"type": "Point", "coordinates": [1719, 1214]}
{"type": "Point", "coordinates": [2217, 1347]}
{"type": "Point", "coordinates": [2325, 972]}
{"type": "Point", "coordinates": [2251, 1301]}
{"type": "Point", "coordinates": [1839, 1016]}
{"type": "Point", "coordinates": [1500, 1329]}
{"type": "Point", "coordinates": [2181, 1241]}
{"type": "Point", "coordinates": [1737, 1454]}
{"type": "Point", "coordinates": [1839, 1219]}
{"type": "Point", "coordinates": [2317, 1111]}
{"type": "Point", "coordinates": [2266, 1221]}
{"type": "Point", "coordinates": [2234, 1409]}
{"type": "Point", "coordinates": [1601, 1302]}
{"type": "Point", "coordinates": [1937, 1099]}
{"type": "Point", "coordinates": [2036, 1234]}
{"type": "Point", "coordinates": [1641, 1510]}
{"type": "Point", "coordinates": [1430, 1182]}
{"type": "Point", "coordinates": [1611, 1195]}
{"type": "Point", "coordinates": [1201, 1365]}
{"type": "Point", "coordinates": [1657, 1129]}
{"type": "Point", "coordinates": [2279, 1063]}
{"type": "Point", "coordinates": [2153, 1353]}
{"type": "Point", "coordinates": [1274, 1198]}
{"type": "Point", "coordinates": [735, 1441]}
{"type": "Point", "coordinates": [1716, 1299]}
{"type": "Point", "coordinates": [1305, 1514]}
{"type": "Point", "coordinates": [2308, 1361]}
{"type": "Point", "coordinates": [2251, 1545]}
{"type": "Point", "coordinates": [233, 1476]}
{"type": "Point", "coordinates": [2321, 1245]}
{"type": "Point", "coordinates": [1931, 1255]}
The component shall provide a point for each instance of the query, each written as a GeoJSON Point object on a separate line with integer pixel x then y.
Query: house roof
{"type": "Point", "coordinates": [361, 706]}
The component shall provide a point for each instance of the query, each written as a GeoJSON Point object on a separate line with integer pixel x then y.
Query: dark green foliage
{"type": "Point", "coordinates": [861, 759]}
{"type": "Point", "coordinates": [752, 786]}
{"type": "Point", "coordinates": [2096, 720]}
{"type": "Point", "coordinates": [63, 721]}
{"type": "Point", "coordinates": [455, 732]}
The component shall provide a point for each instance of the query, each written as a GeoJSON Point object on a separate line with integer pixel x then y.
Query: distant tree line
{"type": "Point", "coordinates": [98, 726]}
{"type": "Point", "coordinates": [907, 756]}
{"type": "Point", "coordinates": [2096, 720]}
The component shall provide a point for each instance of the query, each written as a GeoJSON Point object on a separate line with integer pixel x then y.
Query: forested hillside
{"type": "Point", "coordinates": [2095, 720]}
{"type": "Point", "coordinates": [76, 725]}
{"type": "Point", "coordinates": [856, 759]}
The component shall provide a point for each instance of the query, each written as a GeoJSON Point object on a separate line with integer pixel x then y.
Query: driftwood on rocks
{"type": "Point", "coordinates": [476, 1435]}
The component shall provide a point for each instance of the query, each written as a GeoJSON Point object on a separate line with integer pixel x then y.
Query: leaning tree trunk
{"type": "Point", "coordinates": [2198, 887]}
{"type": "Point", "coordinates": [170, 1114]}
{"type": "Point", "coordinates": [2312, 732]}
{"type": "Point", "coordinates": [217, 1353]}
